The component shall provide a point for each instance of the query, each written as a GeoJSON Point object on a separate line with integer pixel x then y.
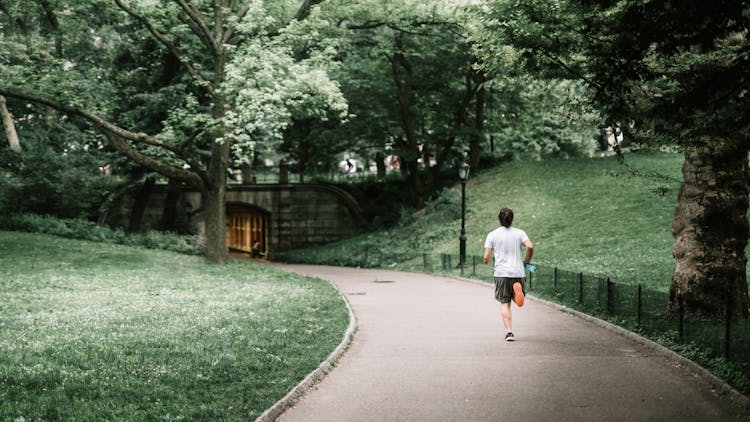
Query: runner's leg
{"type": "Point", "coordinates": [506, 316]}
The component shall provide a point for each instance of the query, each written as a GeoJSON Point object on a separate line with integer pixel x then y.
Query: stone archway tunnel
{"type": "Point", "coordinates": [272, 217]}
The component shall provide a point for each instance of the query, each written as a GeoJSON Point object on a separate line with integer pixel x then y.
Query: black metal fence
{"type": "Point", "coordinates": [632, 306]}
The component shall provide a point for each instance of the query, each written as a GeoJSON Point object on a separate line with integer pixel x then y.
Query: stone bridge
{"type": "Point", "coordinates": [262, 219]}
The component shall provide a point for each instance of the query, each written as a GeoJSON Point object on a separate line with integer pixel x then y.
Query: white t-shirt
{"type": "Point", "coordinates": [506, 245]}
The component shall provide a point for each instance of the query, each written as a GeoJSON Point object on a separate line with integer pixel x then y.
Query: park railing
{"type": "Point", "coordinates": [632, 306]}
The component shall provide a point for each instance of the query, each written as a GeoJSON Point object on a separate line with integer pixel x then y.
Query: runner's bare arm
{"type": "Point", "coordinates": [487, 255]}
{"type": "Point", "coordinates": [529, 251]}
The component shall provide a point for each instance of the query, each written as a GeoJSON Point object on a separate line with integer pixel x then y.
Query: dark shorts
{"type": "Point", "coordinates": [504, 288]}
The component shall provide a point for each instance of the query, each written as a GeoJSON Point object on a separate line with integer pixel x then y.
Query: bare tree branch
{"type": "Point", "coordinates": [306, 8]}
{"type": "Point", "coordinates": [240, 15]}
{"type": "Point", "coordinates": [365, 25]}
{"type": "Point", "coordinates": [171, 47]}
{"type": "Point", "coordinates": [405, 27]}
{"type": "Point", "coordinates": [51, 16]}
{"type": "Point", "coordinates": [218, 21]}
{"type": "Point", "coordinates": [116, 134]}
{"type": "Point", "coordinates": [160, 167]}
{"type": "Point", "coordinates": [54, 24]}
{"type": "Point", "coordinates": [19, 22]}
{"type": "Point", "coordinates": [204, 33]}
{"type": "Point", "coordinates": [243, 11]}
{"type": "Point", "coordinates": [93, 118]}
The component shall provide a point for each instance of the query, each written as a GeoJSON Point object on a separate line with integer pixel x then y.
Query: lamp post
{"type": "Point", "coordinates": [463, 174]}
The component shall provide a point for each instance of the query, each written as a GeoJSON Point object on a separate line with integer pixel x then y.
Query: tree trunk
{"type": "Point", "coordinates": [380, 163]}
{"type": "Point", "coordinates": [711, 229]}
{"type": "Point", "coordinates": [10, 126]}
{"type": "Point", "coordinates": [169, 212]}
{"type": "Point", "coordinates": [213, 201]}
{"type": "Point", "coordinates": [216, 185]}
{"type": "Point", "coordinates": [139, 205]}
{"type": "Point", "coordinates": [475, 147]}
{"type": "Point", "coordinates": [216, 231]}
{"type": "Point", "coordinates": [402, 77]}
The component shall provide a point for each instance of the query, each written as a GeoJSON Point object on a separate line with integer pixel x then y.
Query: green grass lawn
{"type": "Point", "coordinates": [93, 331]}
{"type": "Point", "coordinates": [590, 215]}
{"type": "Point", "coordinates": [584, 215]}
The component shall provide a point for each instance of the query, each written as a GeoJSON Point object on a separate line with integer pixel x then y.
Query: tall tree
{"type": "Point", "coordinates": [9, 125]}
{"type": "Point", "coordinates": [407, 71]}
{"type": "Point", "coordinates": [219, 46]}
{"type": "Point", "coordinates": [672, 70]}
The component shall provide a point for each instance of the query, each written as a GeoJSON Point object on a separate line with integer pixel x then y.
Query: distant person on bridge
{"type": "Point", "coordinates": [505, 244]}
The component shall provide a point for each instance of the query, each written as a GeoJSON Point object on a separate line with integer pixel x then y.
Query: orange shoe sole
{"type": "Point", "coordinates": [518, 294]}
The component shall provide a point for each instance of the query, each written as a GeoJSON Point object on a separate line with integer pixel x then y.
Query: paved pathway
{"type": "Point", "coordinates": [431, 349]}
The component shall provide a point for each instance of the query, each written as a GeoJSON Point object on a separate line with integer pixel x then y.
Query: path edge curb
{"type": "Point", "coordinates": [325, 367]}
{"type": "Point", "coordinates": [721, 387]}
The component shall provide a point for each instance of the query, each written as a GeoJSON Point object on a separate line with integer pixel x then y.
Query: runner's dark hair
{"type": "Point", "coordinates": [506, 217]}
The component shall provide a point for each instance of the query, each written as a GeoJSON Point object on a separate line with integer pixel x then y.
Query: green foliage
{"type": "Point", "coordinates": [282, 90]}
{"type": "Point", "coordinates": [56, 173]}
{"type": "Point", "coordinates": [733, 372]}
{"type": "Point", "coordinates": [67, 63]}
{"type": "Point", "coordinates": [93, 331]}
{"type": "Point", "coordinates": [86, 230]}
{"type": "Point", "coordinates": [535, 119]}
{"type": "Point", "coordinates": [423, 38]}
{"type": "Point", "coordinates": [415, 234]}
{"type": "Point", "coordinates": [673, 71]}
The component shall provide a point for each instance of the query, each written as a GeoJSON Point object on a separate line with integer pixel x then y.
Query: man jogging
{"type": "Point", "coordinates": [505, 244]}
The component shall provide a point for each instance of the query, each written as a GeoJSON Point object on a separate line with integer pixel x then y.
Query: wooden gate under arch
{"type": "Point", "coordinates": [247, 230]}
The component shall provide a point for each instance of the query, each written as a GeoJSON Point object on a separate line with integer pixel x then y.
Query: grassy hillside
{"type": "Point", "coordinates": [584, 215]}
{"type": "Point", "coordinates": [95, 331]}
{"type": "Point", "coordinates": [590, 215]}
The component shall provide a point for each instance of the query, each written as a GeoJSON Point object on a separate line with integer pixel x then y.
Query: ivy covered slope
{"type": "Point", "coordinates": [590, 215]}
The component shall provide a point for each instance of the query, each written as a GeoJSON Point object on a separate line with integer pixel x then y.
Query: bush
{"type": "Point", "coordinates": [415, 234]}
{"type": "Point", "coordinates": [86, 230]}
{"type": "Point", "coordinates": [47, 180]}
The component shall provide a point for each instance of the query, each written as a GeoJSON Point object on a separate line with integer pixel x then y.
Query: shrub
{"type": "Point", "coordinates": [415, 234]}
{"type": "Point", "coordinates": [86, 230]}
{"type": "Point", "coordinates": [45, 180]}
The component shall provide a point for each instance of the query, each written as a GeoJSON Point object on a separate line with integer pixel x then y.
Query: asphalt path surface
{"type": "Point", "coordinates": [430, 348]}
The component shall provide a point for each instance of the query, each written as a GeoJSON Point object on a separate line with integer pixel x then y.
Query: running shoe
{"type": "Point", "coordinates": [509, 337]}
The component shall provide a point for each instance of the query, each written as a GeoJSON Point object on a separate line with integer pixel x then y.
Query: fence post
{"type": "Point", "coordinates": [442, 259]}
{"type": "Point", "coordinates": [555, 280]}
{"type": "Point", "coordinates": [681, 315]}
{"type": "Point", "coordinates": [424, 261]}
{"type": "Point", "coordinates": [474, 265]}
{"type": "Point", "coordinates": [531, 275]}
{"type": "Point", "coordinates": [728, 324]}
{"type": "Point", "coordinates": [640, 306]}
{"type": "Point", "coordinates": [610, 297]}
{"type": "Point", "coordinates": [367, 251]}
{"type": "Point", "coordinates": [580, 288]}
{"type": "Point", "coordinates": [450, 264]}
